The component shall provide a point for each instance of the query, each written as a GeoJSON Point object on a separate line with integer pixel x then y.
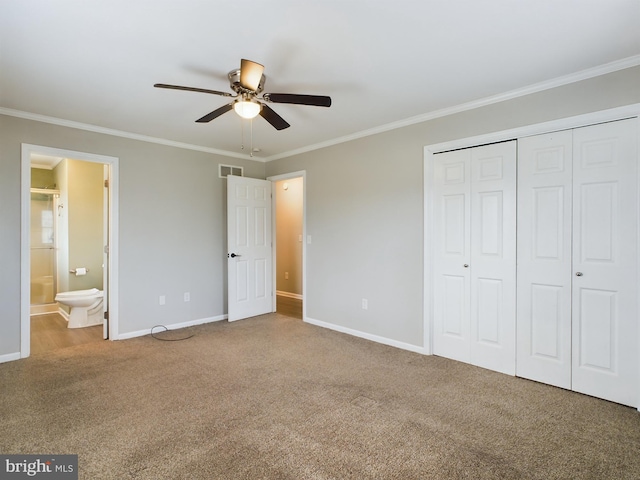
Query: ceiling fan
{"type": "Point", "coordinates": [248, 82]}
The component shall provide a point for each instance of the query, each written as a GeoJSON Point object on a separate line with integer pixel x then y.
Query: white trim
{"type": "Point", "coordinates": [577, 121]}
{"type": "Point", "coordinates": [41, 166]}
{"type": "Point", "coordinates": [9, 357]}
{"type": "Point", "coordinates": [366, 336]}
{"type": "Point", "coordinates": [112, 288]}
{"type": "Point", "coordinates": [173, 326]}
{"type": "Point", "coordinates": [44, 309]}
{"type": "Point", "coordinates": [297, 296]}
{"type": "Point", "coordinates": [638, 256]}
{"type": "Point", "coordinates": [520, 92]}
{"type": "Point", "coordinates": [63, 313]}
{"type": "Point", "coordinates": [277, 178]}
{"type": "Point", "coordinates": [611, 67]}
{"type": "Point", "coordinates": [427, 303]}
{"type": "Point", "coordinates": [119, 133]}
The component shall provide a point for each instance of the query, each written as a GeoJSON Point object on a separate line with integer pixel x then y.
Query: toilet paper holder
{"type": "Point", "coordinates": [75, 272]}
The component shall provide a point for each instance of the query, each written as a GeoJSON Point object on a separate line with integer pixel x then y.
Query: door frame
{"type": "Point", "coordinates": [274, 179]}
{"type": "Point", "coordinates": [25, 262]}
{"type": "Point", "coordinates": [609, 115]}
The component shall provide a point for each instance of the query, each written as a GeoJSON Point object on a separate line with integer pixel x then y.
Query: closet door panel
{"type": "Point", "coordinates": [544, 258]}
{"type": "Point", "coordinates": [605, 312]}
{"type": "Point", "coordinates": [493, 256]}
{"type": "Point", "coordinates": [451, 254]}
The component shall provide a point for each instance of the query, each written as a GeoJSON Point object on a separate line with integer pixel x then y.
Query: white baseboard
{"type": "Point", "coordinates": [64, 313]}
{"type": "Point", "coordinates": [173, 326]}
{"type": "Point", "coordinates": [368, 336]}
{"type": "Point", "coordinates": [47, 308]}
{"type": "Point", "coordinates": [289, 295]}
{"type": "Point", "coordinates": [10, 357]}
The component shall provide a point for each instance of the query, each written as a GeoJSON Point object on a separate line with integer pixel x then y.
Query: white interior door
{"type": "Point", "coordinates": [106, 198]}
{"type": "Point", "coordinates": [544, 258]}
{"type": "Point", "coordinates": [474, 256]}
{"type": "Point", "coordinates": [451, 252]}
{"type": "Point", "coordinates": [605, 262]}
{"type": "Point", "coordinates": [493, 257]}
{"type": "Point", "coordinates": [250, 276]}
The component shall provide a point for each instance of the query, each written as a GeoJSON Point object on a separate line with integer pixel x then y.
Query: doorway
{"type": "Point", "coordinates": [289, 243]}
{"type": "Point", "coordinates": [73, 220]}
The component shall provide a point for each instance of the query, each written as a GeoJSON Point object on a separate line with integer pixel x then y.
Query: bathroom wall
{"type": "Point", "coordinates": [289, 204]}
{"type": "Point", "coordinates": [84, 210]}
{"type": "Point", "coordinates": [42, 178]}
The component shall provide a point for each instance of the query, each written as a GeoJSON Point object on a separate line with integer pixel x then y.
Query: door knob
{"type": "Point", "coordinates": [466, 265]}
{"type": "Point", "coordinates": [578, 274]}
{"type": "Point", "coordinates": [233, 255]}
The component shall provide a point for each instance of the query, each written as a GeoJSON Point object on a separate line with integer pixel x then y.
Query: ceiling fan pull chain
{"type": "Point", "coordinates": [251, 126]}
{"type": "Point", "coordinates": [241, 134]}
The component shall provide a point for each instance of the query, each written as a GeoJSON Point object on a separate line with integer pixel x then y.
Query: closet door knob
{"type": "Point", "coordinates": [578, 274]}
{"type": "Point", "coordinates": [466, 265]}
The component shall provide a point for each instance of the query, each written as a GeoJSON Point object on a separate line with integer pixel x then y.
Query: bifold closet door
{"type": "Point", "coordinates": [452, 254]}
{"type": "Point", "coordinates": [605, 261]}
{"type": "Point", "coordinates": [544, 258]}
{"type": "Point", "coordinates": [474, 255]}
{"type": "Point", "coordinates": [493, 257]}
{"type": "Point", "coordinates": [577, 324]}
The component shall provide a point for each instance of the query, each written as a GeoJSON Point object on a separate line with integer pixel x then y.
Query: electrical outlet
{"type": "Point", "coordinates": [187, 297]}
{"type": "Point", "coordinates": [365, 304]}
{"type": "Point", "coordinates": [162, 300]}
{"type": "Point", "coordinates": [286, 275]}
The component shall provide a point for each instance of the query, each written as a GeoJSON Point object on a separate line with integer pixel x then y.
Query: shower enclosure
{"type": "Point", "coordinates": [44, 205]}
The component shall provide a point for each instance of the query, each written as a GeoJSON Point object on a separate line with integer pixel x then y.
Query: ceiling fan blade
{"type": "Point", "coordinates": [192, 89]}
{"type": "Point", "coordinates": [250, 74]}
{"type": "Point", "coordinates": [315, 100]}
{"type": "Point", "coordinates": [215, 114]}
{"type": "Point", "coordinates": [273, 118]}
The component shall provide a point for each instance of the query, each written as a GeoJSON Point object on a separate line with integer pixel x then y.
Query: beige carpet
{"type": "Point", "coordinates": [275, 398]}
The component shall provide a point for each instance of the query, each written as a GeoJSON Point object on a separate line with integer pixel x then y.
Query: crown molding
{"type": "Point", "coordinates": [119, 133]}
{"type": "Point", "coordinates": [611, 67]}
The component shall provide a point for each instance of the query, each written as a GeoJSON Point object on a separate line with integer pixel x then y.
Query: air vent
{"type": "Point", "coordinates": [226, 170]}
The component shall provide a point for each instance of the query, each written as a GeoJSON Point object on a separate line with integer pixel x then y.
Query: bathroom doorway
{"type": "Point", "coordinates": [289, 241]}
{"type": "Point", "coordinates": [68, 233]}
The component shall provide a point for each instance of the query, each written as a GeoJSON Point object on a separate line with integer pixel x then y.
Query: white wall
{"type": "Point", "coordinates": [364, 213]}
{"type": "Point", "coordinates": [365, 207]}
{"type": "Point", "coordinates": [172, 226]}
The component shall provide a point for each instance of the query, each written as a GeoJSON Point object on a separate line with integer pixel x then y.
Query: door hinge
{"type": "Point", "coordinates": [106, 183]}
{"type": "Point", "coordinates": [106, 315]}
{"type": "Point", "coordinates": [106, 249]}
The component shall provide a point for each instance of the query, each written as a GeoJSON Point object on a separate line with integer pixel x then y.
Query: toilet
{"type": "Point", "coordinates": [86, 307]}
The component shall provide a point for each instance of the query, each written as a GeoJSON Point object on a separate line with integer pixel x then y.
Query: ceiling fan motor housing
{"type": "Point", "coordinates": [234, 82]}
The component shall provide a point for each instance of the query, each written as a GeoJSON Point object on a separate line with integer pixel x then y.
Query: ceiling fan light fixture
{"type": "Point", "coordinates": [247, 108]}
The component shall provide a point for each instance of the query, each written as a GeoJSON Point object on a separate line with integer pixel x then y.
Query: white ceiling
{"type": "Point", "coordinates": [383, 62]}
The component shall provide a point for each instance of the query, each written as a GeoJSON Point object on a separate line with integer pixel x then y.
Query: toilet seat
{"type": "Point", "coordinates": [81, 293]}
